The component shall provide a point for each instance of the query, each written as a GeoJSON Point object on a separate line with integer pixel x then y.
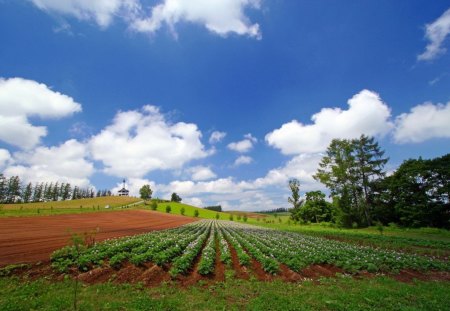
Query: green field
{"type": "Point", "coordinates": [341, 293]}
{"type": "Point", "coordinates": [367, 262]}
{"type": "Point", "coordinates": [66, 207]}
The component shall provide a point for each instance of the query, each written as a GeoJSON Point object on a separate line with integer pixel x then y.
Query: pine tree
{"type": "Point", "coordinates": [3, 188]}
{"type": "Point", "coordinates": [27, 192]}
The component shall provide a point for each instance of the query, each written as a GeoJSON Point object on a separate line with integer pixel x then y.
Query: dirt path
{"type": "Point", "coordinates": [32, 239]}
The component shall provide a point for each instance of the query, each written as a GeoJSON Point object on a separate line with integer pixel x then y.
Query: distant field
{"type": "Point", "coordinates": [65, 207]}
{"type": "Point", "coordinates": [190, 210]}
{"type": "Point", "coordinates": [430, 241]}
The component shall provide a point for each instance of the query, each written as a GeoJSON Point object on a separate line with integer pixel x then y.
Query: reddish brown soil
{"type": "Point", "coordinates": [241, 272]}
{"type": "Point", "coordinates": [32, 239]}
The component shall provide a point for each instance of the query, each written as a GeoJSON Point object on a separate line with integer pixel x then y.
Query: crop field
{"type": "Point", "coordinates": [201, 248]}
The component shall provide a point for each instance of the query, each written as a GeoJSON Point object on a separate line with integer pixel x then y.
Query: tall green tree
{"type": "Point", "coordinates": [294, 199]}
{"type": "Point", "coordinates": [349, 169]}
{"type": "Point", "coordinates": [175, 198]}
{"type": "Point", "coordinates": [3, 188]}
{"type": "Point", "coordinates": [146, 192]}
{"type": "Point", "coordinates": [369, 168]}
{"type": "Point", "coordinates": [27, 193]}
{"type": "Point", "coordinates": [13, 189]}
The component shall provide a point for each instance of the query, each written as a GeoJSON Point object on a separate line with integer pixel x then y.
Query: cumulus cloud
{"type": "Point", "coordinates": [244, 145]}
{"type": "Point", "coordinates": [21, 99]}
{"type": "Point", "coordinates": [267, 192]}
{"type": "Point", "coordinates": [138, 142]}
{"type": "Point", "coordinates": [423, 122]}
{"type": "Point", "coordinates": [5, 158]}
{"type": "Point", "coordinates": [243, 160]}
{"type": "Point", "coordinates": [367, 114]}
{"type": "Point", "coordinates": [101, 11]}
{"type": "Point", "coordinates": [65, 163]}
{"type": "Point", "coordinates": [201, 173]}
{"type": "Point", "coordinates": [221, 17]}
{"type": "Point", "coordinates": [436, 33]}
{"type": "Point", "coordinates": [216, 137]}
{"type": "Point", "coordinates": [218, 16]}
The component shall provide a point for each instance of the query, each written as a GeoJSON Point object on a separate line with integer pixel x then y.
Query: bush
{"type": "Point", "coordinates": [245, 218]}
{"type": "Point", "coordinates": [231, 217]}
{"type": "Point", "coordinates": [196, 213]}
{"type": "Point", "coordinates": [168, 209]}
{"type": "Point", "coordinates": [217, 216]}
{"type": "Point", "coordinates": [182, 210]}
{"type": "Point", "coordinates": [153, 206]}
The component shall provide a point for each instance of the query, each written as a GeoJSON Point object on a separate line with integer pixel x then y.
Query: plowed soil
{"type": "Point", "coordinates": [32, 239]}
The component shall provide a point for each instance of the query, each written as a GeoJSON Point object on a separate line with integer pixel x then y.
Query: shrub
{"type": "Point", "coordinates": [153, 206]}
{"type": "Point", "coordinates": [217, 216]}
{"type": "Point", "coordinates": [168, 209]}
{"type": "Point", "coordinates": [245, 218]}
{"type": "Point", "coordinates": [196, 213]}
{"type": "Point", "coordinates": [182, 210]}
{"type": "Point", "coordinates": [231, 217]}
{"type": "Point", "coordinates": [238, 217]}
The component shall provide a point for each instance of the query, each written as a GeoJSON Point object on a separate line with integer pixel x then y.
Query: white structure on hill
{"type": "Point", "coordinates": [123, 192]}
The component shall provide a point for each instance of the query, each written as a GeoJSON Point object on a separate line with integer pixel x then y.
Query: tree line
{"type": "Point", "coordinates": [415, 195]}
{"type": "Point", "coordinates": [12, 190]}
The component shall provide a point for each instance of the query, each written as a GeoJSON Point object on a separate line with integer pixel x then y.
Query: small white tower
{"type": "Point", "coordinates": [123, 192]}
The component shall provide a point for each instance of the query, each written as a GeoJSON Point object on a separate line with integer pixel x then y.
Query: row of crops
{"type": "Point", "coordinates": [177, 249]}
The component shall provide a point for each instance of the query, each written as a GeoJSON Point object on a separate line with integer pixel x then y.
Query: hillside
{"type": "Point", "coordinates": [190, 210]}
{"type": "Point", "coordinates": [66, 207]}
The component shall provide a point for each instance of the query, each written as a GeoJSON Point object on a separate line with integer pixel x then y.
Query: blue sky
{"type": "Point", "coordinates": [95, 91]}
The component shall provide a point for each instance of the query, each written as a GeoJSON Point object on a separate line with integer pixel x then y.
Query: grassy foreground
{"type": "Point", "coordinates": [342, 293]}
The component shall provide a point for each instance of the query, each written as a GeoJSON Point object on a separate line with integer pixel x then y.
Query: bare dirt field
{"type": "Point", "coordinates": [32, 239]}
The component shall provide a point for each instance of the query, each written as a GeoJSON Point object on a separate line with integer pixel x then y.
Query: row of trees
{"type": "Point", "coordinates": [146, 194]}
{"type": "Point", "coordinates": [416, 194]}
{"type": "Point", "coordinates": [13, 191]}
{"type": "Point", "coordinates": [216, 208]}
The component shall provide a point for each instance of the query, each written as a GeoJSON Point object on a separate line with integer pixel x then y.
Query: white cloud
{"type": "Point", "coordinates": [268, 192]}
{"type": "Point", "coordinates": [436, 33]}
{"type": "Point", "coordinates": [243, 160]}
{"type": "Point", "coordinates": [102, 11]}
{"type": "Point", "coordinates": [423, 122]}
{"type": "Point", "coordinates": [218, 16]}
{"type": "Point", "coordinates": [138, 142]}
{"type": "Point", "coordinates": [367, 114]}
{"type": "Point", "coordinates": [65, 163]}
{"type": "Point", "coordinates": [244, 145]}
{"type": "Point", "coordinates": [21, 99]}
{"type": "Point", "coordinates": [201, 173]}
{"type": "Point", "coordinates": [216, 137]}
{"type": "Point", "coordinates": [197, 202]}
{"type": "Point", "coordinates": [221, 17]}
{"type": "Point", "coordinates": [5, 158]}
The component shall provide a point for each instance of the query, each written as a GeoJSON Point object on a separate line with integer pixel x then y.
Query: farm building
{"type": "Point", "coordinates": [123, 192]}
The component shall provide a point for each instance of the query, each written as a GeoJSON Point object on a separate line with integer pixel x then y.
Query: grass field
{"type": "Point", "coordinates": [341, 293]}
{"type": "Point", "coordinates": [65, 207]}
{"type": "Point", "coordinates": [190, 210]}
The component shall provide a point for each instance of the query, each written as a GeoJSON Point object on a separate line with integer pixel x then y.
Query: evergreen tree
{"type": "Point", "coordinates": [13, 189]}
{"type": "Point", "coordinates": [27, 193]}
{"type": "Point", "coordinates": [3, 188]}
{"type": "Point", "coordinates": [350, 169]}
{"type": "Point", "coordinates": [55, 192]}
{"type": "Point", "coordinates": [38, 192]}
{"type": "Point", "coordinates": [66, 192]}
